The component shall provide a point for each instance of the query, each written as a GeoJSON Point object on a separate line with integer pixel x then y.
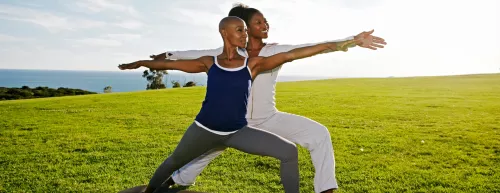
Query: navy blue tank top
{"type": "Point", "coordinates": [225, 104]}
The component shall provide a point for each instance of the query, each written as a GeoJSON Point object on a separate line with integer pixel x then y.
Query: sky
{"type": "Point", "coordinates": [425, 37]}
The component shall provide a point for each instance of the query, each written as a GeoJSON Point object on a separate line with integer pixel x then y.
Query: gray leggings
{"type": "Point", "coordinates": [197, 141]}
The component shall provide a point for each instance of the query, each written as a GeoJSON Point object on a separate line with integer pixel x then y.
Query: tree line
{"type": "Point", "coordinates": [26, 92]}
{"type": "Point", "coordinates": [155, 80]}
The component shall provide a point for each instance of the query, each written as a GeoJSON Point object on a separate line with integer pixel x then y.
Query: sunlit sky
{"type": "Point", "coordinates": [425, 37]}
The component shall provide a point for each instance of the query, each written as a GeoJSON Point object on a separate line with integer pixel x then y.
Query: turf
{"type": "Point", "coordinates": [422, 134]}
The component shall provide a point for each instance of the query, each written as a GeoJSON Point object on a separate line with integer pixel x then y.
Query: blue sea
{"type": "Point", "coordinates": [95, 81]}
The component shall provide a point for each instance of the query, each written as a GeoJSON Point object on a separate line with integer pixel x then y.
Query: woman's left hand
{"type": "Point", "coordinates": [367, 40]}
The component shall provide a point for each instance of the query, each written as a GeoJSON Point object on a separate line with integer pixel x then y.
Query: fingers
{"type": "Point", "coordinates": [378, 38]}
{"type": "Point", "coordinates": [372, 46]}
{"type": "Point", "coordinates": [377, 45]}
{"type": "Point", "coordinates": [379, 41]}
{"type": "Point", "coordinates": [125, 66]}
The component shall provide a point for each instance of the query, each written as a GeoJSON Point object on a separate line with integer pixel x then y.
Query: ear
{"type": "Point", "coordinates": [223, 32]}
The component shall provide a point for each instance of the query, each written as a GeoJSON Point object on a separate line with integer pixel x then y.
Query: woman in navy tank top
{"type": "Point", "coordinates": [221, 120]}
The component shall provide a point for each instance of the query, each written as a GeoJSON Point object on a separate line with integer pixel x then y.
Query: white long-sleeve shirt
{"type": "Point", "coordinates": [262, 101]}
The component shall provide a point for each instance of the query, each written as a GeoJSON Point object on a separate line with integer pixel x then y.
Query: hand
{"type": "Point", "coordinates": [161, 56]}
{"type": "Point", "coordinates": [367, 40]}
{"type": "Point", "coordinates": [133, 65]}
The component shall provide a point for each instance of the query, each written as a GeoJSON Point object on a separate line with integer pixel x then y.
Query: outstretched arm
{"type": "Point", "coordinates": [187, 54]}
{"type": "Point", "coordinates": [285, 48]}
{"type": "Point", "coordinates": [365, 40]}
{"type": "Point", "coordinates": [280, 48]}
{"type": "Point", "coordinates": [191, 54]}
{"type": "Point", "coordinates": [267, 63]}
{"type": "Point", "coordinates": [191, 66]}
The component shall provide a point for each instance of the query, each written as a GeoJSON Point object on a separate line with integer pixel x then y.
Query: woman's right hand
{"type": "Point", "coordinates": [161, 56]}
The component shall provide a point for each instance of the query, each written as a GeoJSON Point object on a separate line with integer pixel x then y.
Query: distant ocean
{"type": "Point", "coordinates": [95, 81]}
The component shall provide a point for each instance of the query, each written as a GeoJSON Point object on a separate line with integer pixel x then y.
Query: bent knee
{"type": "Point", "coordinates": [320, 137]}
{"type": "Point", "coordinates": [324, 133]}
{"type": "Point", "coordinates": [289, 153]}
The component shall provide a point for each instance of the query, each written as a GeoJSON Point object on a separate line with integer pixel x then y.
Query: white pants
{"type": "Point", "coordinates": [301, 130]}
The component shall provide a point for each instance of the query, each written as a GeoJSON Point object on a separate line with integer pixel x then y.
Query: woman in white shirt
{"type": "Point", "coordinates": [262, 111]}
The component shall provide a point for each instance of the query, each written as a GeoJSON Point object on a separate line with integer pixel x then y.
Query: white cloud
{"type": "Point", "coordinates": [130, 24]}
{"type": "Point", "coordinates": [8, 38]}
{"type": "Point", "coordinates": [199, 18]}
{"type": "Point", "coordinates": [99, 42]}
{"type": "Point", "coordinates": [103, 5]}
{"type": "Point", "coordinates": [56, 23]}
{"type": "Point", "coordinates": [30, 4]}
{"type": "Point", "coordinates": [108, 40]}
{"type": "Point", "coordinates": [51, 22]}
{"type": "Point", "coordinates": [124, 36]}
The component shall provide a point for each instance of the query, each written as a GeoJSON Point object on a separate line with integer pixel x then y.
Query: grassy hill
{"type": "Point", "coordinates": [423, 134]}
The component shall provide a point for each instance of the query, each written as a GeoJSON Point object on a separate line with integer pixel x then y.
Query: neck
{"type": "Point", "coordinates": [255, 43]}
{"type": "Point", "coordinates": [230, 52]}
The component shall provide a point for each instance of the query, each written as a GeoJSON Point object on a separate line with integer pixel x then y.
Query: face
{"type": "Point", "coordinates": [258, 27]}
{"type": "Point", "coordinates": [236, 33]}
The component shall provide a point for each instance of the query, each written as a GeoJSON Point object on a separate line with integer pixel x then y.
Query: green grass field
{"type": "Point", "coordinates": [425, 134]}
